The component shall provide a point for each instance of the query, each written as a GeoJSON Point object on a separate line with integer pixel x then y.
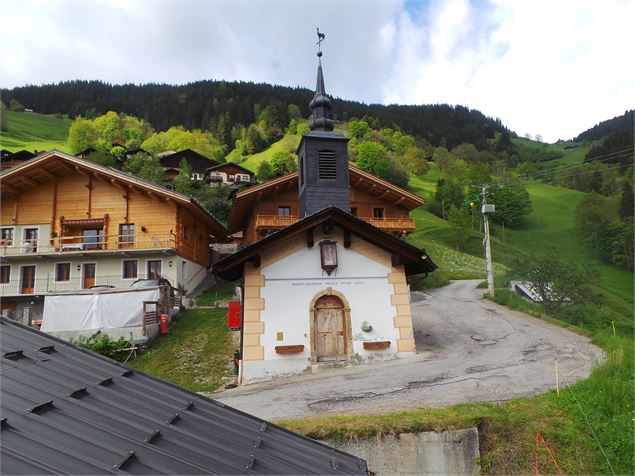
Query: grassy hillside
{"type": "Point", "coordinates": [288, 143]}
{"type": "Point", "coordinates": [32, 132]}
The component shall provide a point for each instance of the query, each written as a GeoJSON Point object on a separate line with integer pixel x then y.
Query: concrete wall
{"type": "Point", "coordinates": [454, 452]}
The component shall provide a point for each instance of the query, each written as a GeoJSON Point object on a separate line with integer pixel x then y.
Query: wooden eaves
{"type": "Point", "coordinates": [415, 260]}
{"type": "Point", "coordinates": [244, 200]}
{"type": "Point", "coordinates": [52, 164]}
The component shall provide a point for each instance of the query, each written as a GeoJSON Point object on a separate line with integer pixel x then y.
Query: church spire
{"type": "Point", "coordinates": [320, 104]}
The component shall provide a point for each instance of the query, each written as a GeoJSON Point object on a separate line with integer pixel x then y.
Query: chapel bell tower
{"type": "Point", "coordinates": [322, 157]}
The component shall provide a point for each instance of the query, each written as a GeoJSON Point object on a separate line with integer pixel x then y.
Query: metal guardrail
{"type": "Point", "coordinates": [47, 285]}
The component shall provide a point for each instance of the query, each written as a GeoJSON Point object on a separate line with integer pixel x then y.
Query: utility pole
{"type": "Point", "coordinates": [486, 210]}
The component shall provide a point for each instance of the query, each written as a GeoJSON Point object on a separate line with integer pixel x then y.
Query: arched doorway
{"type": "Point", "coordinates": [330, 329]}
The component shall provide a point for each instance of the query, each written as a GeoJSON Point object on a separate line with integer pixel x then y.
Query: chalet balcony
{"type": "Point", "coordinates": [401, 225]}
{"type": "Point", "coordinates": [87, 245]}
{"type": "Point", "coordinates": [393, 225]}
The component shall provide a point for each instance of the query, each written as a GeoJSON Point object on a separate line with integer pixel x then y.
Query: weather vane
{"type": "Point", "coordinates": [321, 37]}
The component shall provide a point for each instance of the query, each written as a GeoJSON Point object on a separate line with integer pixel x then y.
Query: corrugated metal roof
{"type": "Point", "coordinates": [66, 410]}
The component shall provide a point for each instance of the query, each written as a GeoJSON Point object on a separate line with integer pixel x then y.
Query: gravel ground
{"type": "Point", "coordinates": [469, 350]}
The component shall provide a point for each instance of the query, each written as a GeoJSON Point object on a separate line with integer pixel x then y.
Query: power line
{"type": "Point", "coordinates": [586, 172]}
{"type": "Point", "coordinates": [574, 166]}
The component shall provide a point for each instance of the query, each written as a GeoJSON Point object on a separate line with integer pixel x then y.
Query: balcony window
{"type": "Point", "coordinates": [354, 211]}
{"type": "Point", "coordinates": [284, 211]}
{"type": "Point", "coordinates": [126, 235]}
{"type": "Point", "coordinates": [5, 274]}
{"type": "Point", "coordinates": [29, 244]}
{"type": "Point", "coordinates": [62, 272]}
{"type": "Point", "coordinates": [378, 213]}
{"type": "Point", "coordinates": [6, 236]}
{"type": "Point", "coordinates": [92, 239]}
{"type": "Point", "coordinates": [129, 270]}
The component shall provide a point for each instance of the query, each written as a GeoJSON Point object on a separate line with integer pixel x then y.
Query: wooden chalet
{"type": "Point", "coordinates": [273, 205]}
{"type": "Point", "coordinates": [11, 159]}
{"type": "Point", "coordinates": [67, 223]}
{"type": "Point", "coordinates": [230, 174]}
{"type": "Point", "coordinates": [171, 163]}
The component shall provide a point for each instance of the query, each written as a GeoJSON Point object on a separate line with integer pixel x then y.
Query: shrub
{"type": "Point", "coordinates": [104, 345]}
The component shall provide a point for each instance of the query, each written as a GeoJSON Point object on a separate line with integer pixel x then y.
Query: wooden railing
{"type": "Point", "coordinates": [392, 224]}
{"type": "Point", "coordinates": [400, 224]}
{"type": "Point", "coordinates": [65, 244]}
{"type": "Point", "coordinates": [274, 221]}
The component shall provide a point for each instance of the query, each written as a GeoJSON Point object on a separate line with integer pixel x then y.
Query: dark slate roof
{"type": "Point", "coordinates": [229, 164]}
{"type": "Point", "coordinates": [415, 260]}
{"type": "Point", "coordinates": [66, 410]}
{"type": "Point", "coordinates": [197, 161]}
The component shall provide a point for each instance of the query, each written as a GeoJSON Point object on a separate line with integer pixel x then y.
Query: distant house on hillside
{"type": "Point", "coordinates": [11, 159]}
{"type": "Point", "coordinates": [171, 162]}
{"type": "Point", "coordinates": [230, 174]}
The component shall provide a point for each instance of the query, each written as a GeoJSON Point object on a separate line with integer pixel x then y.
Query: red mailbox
{"type": "Point", "coordinates": [233, 315]}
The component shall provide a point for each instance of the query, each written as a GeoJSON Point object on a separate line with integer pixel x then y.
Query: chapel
{"type": "Point", "coordinates": [327, 284]}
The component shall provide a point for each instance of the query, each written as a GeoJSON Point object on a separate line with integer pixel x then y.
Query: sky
{"type": "Point", "coordinates": [549, 68]}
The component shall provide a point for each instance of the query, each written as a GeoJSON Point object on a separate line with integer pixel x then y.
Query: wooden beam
{"type": "Point", "coordinates": [127, 198]}
{"type": "Point", "coordinates": [347, 238]}
{"type": "Point", "coordinates": [383, 195]}
{"type": "Point", "coordinates": [8, 188]}
{"type": "Point", "coordinates": [101, 179]}
{"type": "Point", "coordinates": [48, 174]}
{"type": "Point", "coordinates": [89, 186]}
{"type": "Point", "coordinates": [30, 182]}
{"type": "Point", "coordinates": [399, 200]}
{"type": "Point", "coordinates": [310, 241]}
{"type": "Point", "coordinates": [80, 171]}
{"type": "Point", "coordinates": [53, 208]}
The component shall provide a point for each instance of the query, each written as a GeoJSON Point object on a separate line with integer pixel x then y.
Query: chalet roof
{"type": "Point", "coordinates": [415, 260]}
{"type": "Point", "coordinates": [229, 164]}
{"type": "Point", "coordinates": [32, 173]}
{"type": "Point", "coordinates": [19, 155]}
{"type": "Point", "coordinates": [245, 200]}
{"type": "Point", "coordinates": [197, 161]}
{"type": "Point", "coordinates": [66, 410]}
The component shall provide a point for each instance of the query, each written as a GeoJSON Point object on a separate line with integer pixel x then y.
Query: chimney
{"type": "Point", "coordinates": [322, 158]}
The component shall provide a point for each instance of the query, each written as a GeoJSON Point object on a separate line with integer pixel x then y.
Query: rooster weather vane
{"type": "Point", "coordinates": [321, 37]}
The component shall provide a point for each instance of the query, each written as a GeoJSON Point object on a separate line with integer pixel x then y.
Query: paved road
{"type": "Point", "coordinates": [469, 350]}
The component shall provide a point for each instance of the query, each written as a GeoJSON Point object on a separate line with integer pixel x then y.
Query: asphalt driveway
{"type": "Point", "coordinates": [469, 350]}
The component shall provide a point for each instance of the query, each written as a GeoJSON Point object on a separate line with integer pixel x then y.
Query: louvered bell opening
{"type": "Point", "coordinates": [326, 165]}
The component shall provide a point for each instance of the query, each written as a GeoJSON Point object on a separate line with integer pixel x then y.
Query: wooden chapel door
{"type": "Point", "coordinates": [329, 329]}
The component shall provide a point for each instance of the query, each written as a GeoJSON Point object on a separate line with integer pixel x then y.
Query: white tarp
{"type": "Point", "coordinates": [96, 310]}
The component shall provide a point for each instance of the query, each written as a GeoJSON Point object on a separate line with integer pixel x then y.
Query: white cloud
{"type": "Point", "coordinates": [554, 68]}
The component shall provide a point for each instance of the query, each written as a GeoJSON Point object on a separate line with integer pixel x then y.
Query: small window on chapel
{"type": "Point", "coordinates": [378, 213]}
